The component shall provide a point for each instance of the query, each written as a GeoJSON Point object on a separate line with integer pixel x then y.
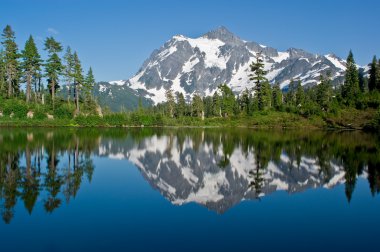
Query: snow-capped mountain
{"type": "Point", "coordinates": [191, 170]}
{"type": "Point", "coordinates": [190, 65]}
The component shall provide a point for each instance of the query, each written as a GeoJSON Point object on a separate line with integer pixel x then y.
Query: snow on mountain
{"type": "Point", "coordinates": [184, 171]}
{"type": "Point", "coordinates": [199, 65]}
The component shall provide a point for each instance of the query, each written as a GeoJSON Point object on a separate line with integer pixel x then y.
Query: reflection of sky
{"type": "Point", "coordinates": [120, 211]}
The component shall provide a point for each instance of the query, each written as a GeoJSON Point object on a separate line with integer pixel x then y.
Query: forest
{"type": "Point", "coordinates": [55, 92]}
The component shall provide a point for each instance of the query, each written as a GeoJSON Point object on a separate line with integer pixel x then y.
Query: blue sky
{"type": "Point", "coordinates": [115, 37]}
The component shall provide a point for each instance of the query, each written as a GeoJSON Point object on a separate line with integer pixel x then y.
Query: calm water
{"type": "Point", "coordinates": [188, 190]}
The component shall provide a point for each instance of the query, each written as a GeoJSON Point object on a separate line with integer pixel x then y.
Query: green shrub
{"type": "Point", "coordinates": [64, 111]}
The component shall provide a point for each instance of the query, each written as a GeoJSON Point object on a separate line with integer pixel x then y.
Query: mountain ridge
{"type": "Point", "coordinates": [200, 65]}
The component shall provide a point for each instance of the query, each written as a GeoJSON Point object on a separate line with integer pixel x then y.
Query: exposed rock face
{"type": "Point", "coordinates": [199, 65]}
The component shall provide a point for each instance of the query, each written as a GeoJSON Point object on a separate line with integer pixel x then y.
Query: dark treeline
{"type": "Point", "coordinates": [30, 86]}
{"type": "Point", "coordinates": [357, 92]}
{"type": "Point", "coordinates": [52, 164]}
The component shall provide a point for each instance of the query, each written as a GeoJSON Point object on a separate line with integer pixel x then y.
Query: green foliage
{"type": "Point", "coordinates": [350, 88]}
{"type": "Point", "coordinates": [227, 100]}
{"type": "Point", "coordinates": [64, 111]}
{"type": "Point", "coordinates": [31, 65]}
{"type": "Point", "coordinates": [11, 63]}
{"type": "Point", "coordinates": [277, 97]}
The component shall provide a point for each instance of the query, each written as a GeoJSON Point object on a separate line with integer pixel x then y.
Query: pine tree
{"type": "Point", "coordinates": [2, 74]}
{"type": "Point", "coordinates": [277, 96]}
{"type": "Point", "coordinates": [373, 72]}
{"type": "Point", "coordinates": [30, 65]}
{"type": "Point", "coordinates": [78, 80]}
{"type": "Point", "coordinates": [88, 85]}
{"type": "Point", "coordinates": [216, 106]}
{"type": "Point", "coordinates": [300, 95]}
{"type": "Point", "coordinates": [53, 66]}
{"type": "Point", "coordinates": [378, 76]}
{"type": "Point", "coordinates": [11, 63]}
{"type": "Point", "coordinates": [350, 89]}
{"type": "Point", "coordinates": [170, 103]}
{"type": "Point", "coordinates": [181, 105]}
{"type": "Point", "coordinates": [262, 86]}
{"type": "Point", "coordinates": [68, 71]}
{"type": "Point", "coordinates": [197, 106]}
{"type": "Point", "coordinates": [227, 100]}
{"type": "Point", "coordinates": [324, 93]}
{"type": "Point", "coordinates": [245, 101]}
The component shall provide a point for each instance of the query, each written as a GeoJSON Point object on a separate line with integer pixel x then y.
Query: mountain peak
{"type": "Point", "coordinates": [223, 34]}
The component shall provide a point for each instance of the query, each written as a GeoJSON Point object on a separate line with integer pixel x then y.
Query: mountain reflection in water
{"type": "Point", "coordinates": [213, 167]}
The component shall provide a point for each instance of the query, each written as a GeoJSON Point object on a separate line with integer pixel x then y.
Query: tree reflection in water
{"type": "Point", "coordinates": [51, 164]}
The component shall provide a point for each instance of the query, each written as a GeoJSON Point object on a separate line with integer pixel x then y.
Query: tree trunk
{"type": "Point", "coordinates": [53, 92]}
{"type": "Point", "coordinates": [77, 96]}
{"type": "Point", "coordinates": [9, 80]}
{"type": "Point", "coordinates": [28, 88]}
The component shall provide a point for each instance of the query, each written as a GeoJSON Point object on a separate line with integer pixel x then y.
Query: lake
{"type": "Point", "coordinates": [188, 189]}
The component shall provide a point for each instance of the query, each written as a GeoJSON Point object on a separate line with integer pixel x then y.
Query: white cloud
{"type": "Point", "coordinates": [52, 31]}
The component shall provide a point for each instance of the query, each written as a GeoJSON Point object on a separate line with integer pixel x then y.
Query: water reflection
{"type": "Point", "coordinates": [212, 167]}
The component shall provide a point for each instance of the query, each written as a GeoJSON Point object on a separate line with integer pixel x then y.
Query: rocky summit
{"type": "Point", "coordinates": [199, 65]}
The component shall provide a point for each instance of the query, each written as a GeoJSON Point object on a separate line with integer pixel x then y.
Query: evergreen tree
{"type": "Point", "coordinates": [207, 105]}
{"type": "Point", "coordinates": [363, 82]}
{"type": "Point", "coordinates": [378, 76]}
{"type": "Point", "coordinates": [197, 106]}
{"type": "Point", "coordinates": [324, 93]}
{"type": "Point", "coordinates": [290, 97]}
{"type": "Point", "coordinates": [2, 74]}
{"type": "Point", "coordinates": [11, 63]}
{"type": "Point", "coordinates": [216, 106]}
{"type": "Point", "coordinates": [68, 70]}
{"type": "Point", "coordinates": [350, 89]}
{"type": "Point", "coordinates": [53, 66]}
{"type": "Point", "coordinates": [227, 100]}
{"type": "Point", "coordinates": [262, 86]}
{"type": "Point", "coordinates": [277, 96]}
{"type": "Point", "coordinates": [88, 85]}
{"type": "Point", "coordinates": [300, 95]}
{"type": "Point", "coordinates": [78, 80]}
{"type": "Point", "coordinates": [170, 103]}
{"type": "Point", "coordinates": [30, 65]}
{"type": "Point", "coordinates": [181, 105]}
{"type": "Point", "coordinates": [246, 101]}
{"type": "Point", "coordinates": [373, 71]}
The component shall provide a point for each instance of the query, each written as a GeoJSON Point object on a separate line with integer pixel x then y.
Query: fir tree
{"type": "Point", "coordinates": [378, 76]}
{"type": "Point", "coordinates": [216, 106]}
{"type": "Point", "coordinates": [68, 70]}
{"type": "Point", "coordinates": [246, 101]}
{"type": "Point", "coordinates": [277, 96]}
{"type": "Point", "coordinates": [197, 106]}
{"type": "Point", "coordinates": [324, 93]}
{"type": "Point", "coordinates": [300, 95]}
{"type": "Point", "coordinates": [350, 89]}
{"type": "Point", "coordinates": [373, 72]}
{"type": "Point", "coordinates": [53, 66]}
{"type": "Point", "coordinates": [88, 85]}
{"type": "Point", "coordinates": [2, 74]}
{"type": "Point", "coordinates": [181, 105]}
{"type": "Point", "coordinates": [30, 65]}
{"type": "Point", "coordinates": [262, 86]}
{"type": "Point", "coordinates": [78, 80]}
{"type": "Point", "coordinates": [227, 100]}
{"type": "Point", "coordinates": [170, 103]}
{"type": "Point", "coordinates": [11, 63]}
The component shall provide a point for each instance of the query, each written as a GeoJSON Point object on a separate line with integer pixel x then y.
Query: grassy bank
{"type": "Point", "coordinates": [345, 119]}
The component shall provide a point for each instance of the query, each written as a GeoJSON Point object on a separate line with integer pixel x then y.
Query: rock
{"type": "Point", "coordinates": [50, 117]}
{"type": "Point", "coordinates": [30, 115]}
{"type": "Point", "coordinates": [1, 114]}
{"type": "Point", "coordinates": [11, 115]}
